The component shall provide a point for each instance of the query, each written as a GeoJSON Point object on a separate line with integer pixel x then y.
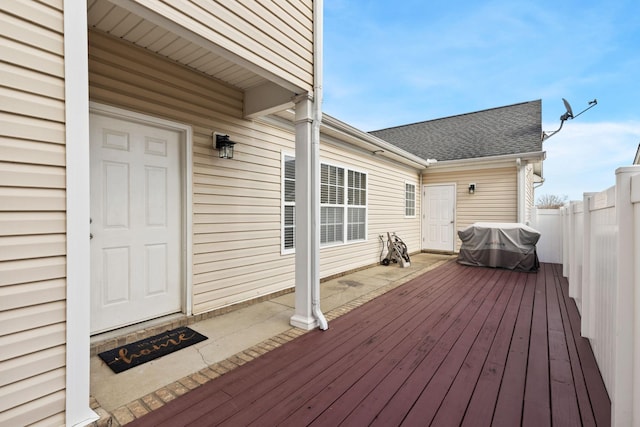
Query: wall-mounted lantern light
{"type": "Point", "coordinates": [224, 146]}
{"type": "Point", "coordinates": [472, 188]}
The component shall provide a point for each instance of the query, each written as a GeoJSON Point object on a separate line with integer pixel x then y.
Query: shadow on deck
{"type": "Point", "coordinates": [455, 346]}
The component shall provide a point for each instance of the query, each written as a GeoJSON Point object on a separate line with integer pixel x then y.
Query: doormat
{"type": "Point", "coordinates": [126, 357]}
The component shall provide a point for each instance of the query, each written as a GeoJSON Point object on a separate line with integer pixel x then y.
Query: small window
{"type": "Point", "coordinates": [409, 200]}
{"type": "Point", "coordinates": [357, 206]}
{"type": "Point", "coordinates": [331, 204]}
{"type": "Point", "coordinates": [289, 203]}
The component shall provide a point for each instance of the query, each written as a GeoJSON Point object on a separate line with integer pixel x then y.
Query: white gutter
{"type": "Point", "coordinates": [477, 161]}
{"type": "Point", "coordinates": [315, 142]}
{"type": "Point", "coordinates": [348, 133]}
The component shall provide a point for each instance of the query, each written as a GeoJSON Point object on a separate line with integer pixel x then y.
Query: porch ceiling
{"type": "Point", "coordinates": [112, 19]}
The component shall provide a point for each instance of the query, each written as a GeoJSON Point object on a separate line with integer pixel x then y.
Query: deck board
{"type": "Point", "coordinates": [595, 394]}
{"type": "Point", "coordinates": [432, 397]}
{"type": "Point", "coordinates": [454, 405]}
{"type": "Point", "coordinates": [339, 357]}
{"type": "Point", "coordinates": [456, 346]}
{"type": "Point", "coordinates": [485, 394]}
{"type": "Point", "coordinates": [508, 408]}
{"type": "Point", "coordinates": [564, 408]}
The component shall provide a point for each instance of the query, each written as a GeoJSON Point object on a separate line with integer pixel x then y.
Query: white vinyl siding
{"type": "Point", "coordinates": [32, 215]}
{"type": "Point", "coordinates": [409, 200]}
{"type": "Point", "coordinates": [238, 204]}
{"type": "Point", "coordinates": [495, 198]}
{"type": "Point", "coordinates": [385, 208]}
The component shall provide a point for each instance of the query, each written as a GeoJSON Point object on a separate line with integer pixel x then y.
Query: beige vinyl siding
{"type": "Point", "coordinates": [385, 209]}
{"type": "Point", "coordinates": [495, 198]}
{"type": "Point", "coordinates": [236, 203]}
{"type": "Point", "coordinates": [32, 214]}
{"type": "Point", "coordinates": [275, 35]}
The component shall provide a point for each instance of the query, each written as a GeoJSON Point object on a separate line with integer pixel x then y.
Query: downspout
{"type": "Point", "coordinates": [315, 143]}
{"type": "Point", "coordinates": [421, 217]}
{"type": "Point", "coordinates": [521, 192]}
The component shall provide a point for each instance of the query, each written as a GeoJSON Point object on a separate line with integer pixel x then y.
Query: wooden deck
{"type": "Point", "coordinates": [456, 346]}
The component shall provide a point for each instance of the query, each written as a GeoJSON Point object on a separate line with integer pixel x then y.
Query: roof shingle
{"type": "Point", "coordinates": [511, 129]}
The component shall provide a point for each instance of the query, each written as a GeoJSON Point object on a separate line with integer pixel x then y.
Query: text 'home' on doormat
{"type": "Point", "coordinates": [127, 356]}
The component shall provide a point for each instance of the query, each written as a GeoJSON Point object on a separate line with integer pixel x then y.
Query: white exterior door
{"type": "Point", "coordinates": [438, 218]}
{"type": "Point", "coordinates": [136, 222]}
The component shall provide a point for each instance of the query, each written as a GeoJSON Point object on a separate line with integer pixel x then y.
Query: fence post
{"type": "Point", "coordinates": [566, 239]}
{"type": "Point", "coordinates": [635, 200]}
{"type": "Point", "coordinates": [622, 399]}
{"type": "Point", "coordinates": [587, 319]}
{"type": "Point", "coordinates": [575, 278]}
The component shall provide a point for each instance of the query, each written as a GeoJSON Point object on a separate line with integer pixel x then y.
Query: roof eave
{"type": "Point", "coordinates": [535, 157]}
{"type": "Point", "coordinates": [347, 133]}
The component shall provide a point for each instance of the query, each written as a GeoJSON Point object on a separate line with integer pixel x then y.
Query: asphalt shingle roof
{"type": "Point", "coordinates": [511, 129]}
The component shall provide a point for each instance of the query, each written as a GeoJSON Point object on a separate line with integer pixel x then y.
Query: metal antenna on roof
{"type": "Point", "coordinates": [567, 115]}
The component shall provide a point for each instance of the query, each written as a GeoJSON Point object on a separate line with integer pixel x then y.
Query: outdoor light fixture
{"type": "Point", "coordinates": [568, 115]}
{"type": "Point", "coordinates": [472, 188]}
{"type": "Point", "coordinates": [224, 146]}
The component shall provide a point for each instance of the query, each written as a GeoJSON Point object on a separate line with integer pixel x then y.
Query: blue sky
{"type": "Point", "coordinates": [388, 63]}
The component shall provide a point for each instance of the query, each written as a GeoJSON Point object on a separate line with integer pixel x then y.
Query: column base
{"type": "Point", "coordinates": [303, 322]}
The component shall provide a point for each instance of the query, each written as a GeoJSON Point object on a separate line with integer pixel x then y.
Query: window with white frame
{"type": "Point", "coordinates": [343, 204]}
{"type": "Point", "coordinates": [409, 200]}
{"type": "Point", "coordinates": [356, 206]}
{"type": "Point", "coordinates": [288, 202]}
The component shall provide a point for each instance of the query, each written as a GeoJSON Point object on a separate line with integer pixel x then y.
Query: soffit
{"type": "Point", "coordinates": [109, 18]}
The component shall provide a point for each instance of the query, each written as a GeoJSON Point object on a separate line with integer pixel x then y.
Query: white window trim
{"type": "Point", "coordinates": [415, 199]}
{"type": "Point", "coordinates": [345, 205]}
{"type": "Point", "coordinates": [283, 249]}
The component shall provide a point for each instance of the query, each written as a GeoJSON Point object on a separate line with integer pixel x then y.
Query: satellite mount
{"type": "Point", "coordinates": [568, 115]}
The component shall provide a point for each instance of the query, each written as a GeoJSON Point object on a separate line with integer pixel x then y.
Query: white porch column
{"type": "Point", "coordinates": [307, 215]}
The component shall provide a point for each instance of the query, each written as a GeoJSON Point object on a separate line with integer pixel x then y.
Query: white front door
{"type": "Point", "coordinates": [136, 222]}
{"type": "Point", "coordinates": [438, 218]}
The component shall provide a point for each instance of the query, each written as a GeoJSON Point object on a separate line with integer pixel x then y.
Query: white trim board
{"type": "Point", "coordinates": [76, 71]}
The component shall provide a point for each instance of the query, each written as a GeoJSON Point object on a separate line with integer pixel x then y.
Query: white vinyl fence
{"type": "Point", "coordinates": [600, 247]}
{"type": "Point", "coordinates": [549, 223]}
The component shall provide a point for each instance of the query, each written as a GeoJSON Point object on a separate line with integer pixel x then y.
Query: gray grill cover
{"type": "Point", "coordinates": [504, 245]}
